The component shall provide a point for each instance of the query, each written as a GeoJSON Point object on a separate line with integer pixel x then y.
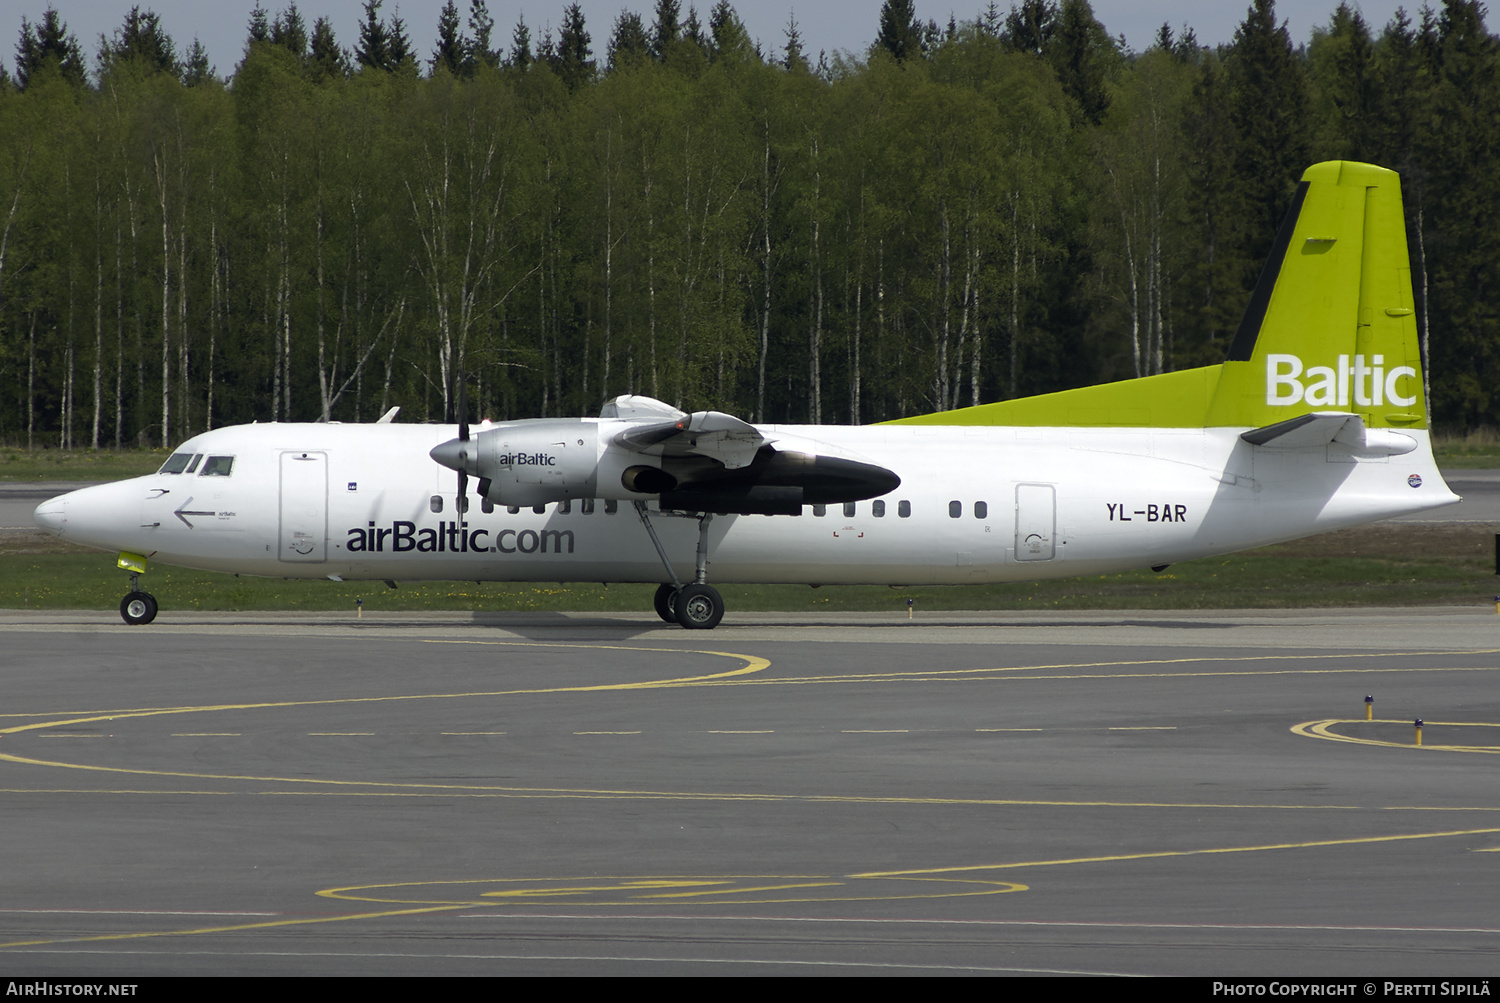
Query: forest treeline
{"type": "Point", "coordinates": [967, 212]}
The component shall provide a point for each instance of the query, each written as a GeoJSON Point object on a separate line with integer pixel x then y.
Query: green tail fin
{"type": "Point", "coordinates": [1330, 327]}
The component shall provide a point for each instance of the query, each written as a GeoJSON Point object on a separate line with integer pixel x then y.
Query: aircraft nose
{"type": "Point", "coordinates": [52, 514]}
{"type": "Point", "coordinates": [454, 454]}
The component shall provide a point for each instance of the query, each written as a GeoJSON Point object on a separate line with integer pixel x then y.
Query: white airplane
{"type": "Point", "coordinates": [1316, 422]}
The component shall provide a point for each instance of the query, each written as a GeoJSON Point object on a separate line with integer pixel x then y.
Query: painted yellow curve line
{"type": "Point", "coordinates": [752, 663]}
{"type": "Point", "coordinates": [1159, 854]}
{"type": "Point", "coordinates": [1323, 729]}
{"type": "Point", "coordinates": [643, 883]}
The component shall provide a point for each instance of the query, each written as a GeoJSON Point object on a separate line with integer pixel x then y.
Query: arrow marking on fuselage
{"type": "Point", "coordinates": [184, 512]}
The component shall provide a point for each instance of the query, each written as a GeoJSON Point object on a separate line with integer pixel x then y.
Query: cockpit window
{"type": "Point", "coordinates": [217, 466]}
{"type": "Point", "coordinates": [176, 463]}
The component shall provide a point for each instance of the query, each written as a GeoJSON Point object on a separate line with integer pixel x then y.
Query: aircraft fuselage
{"type": "Point", "coordinates": [975, 504]}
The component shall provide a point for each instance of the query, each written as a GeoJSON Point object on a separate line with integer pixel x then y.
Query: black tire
{"type": "Point", "coordinates": [699, 607]}
{"type": "Point", "coordinates": [138, 608]}
{"type": "Point", "coordinates": [663, 603]}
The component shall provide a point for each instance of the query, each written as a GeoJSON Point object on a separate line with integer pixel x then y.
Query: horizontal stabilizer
{"type": "Point", "coordinates": [1301, 432]}
{"type": "Point", "coordinates": [1322, 428]}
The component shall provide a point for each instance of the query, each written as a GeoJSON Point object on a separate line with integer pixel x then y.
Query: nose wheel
{"type": "Point", "coordinates": [138, 608]}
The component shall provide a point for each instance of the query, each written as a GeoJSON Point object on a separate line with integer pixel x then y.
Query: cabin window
{"type": "Point", "coordinates": [955, 509]}
{"type": "Point", "coordinates": [586, 506]}
{"type": "Point", "coordinates": [486, 506]}
{"type": "Point", "coordinates": [539, 509]}
{"type": "Point", "coordinates": [463, 503]}
{"type": "Point", "coordinates": [611, 506]}
{"type": "Point", "coordinates": [848, 510]}
{"type": "Point", "coordinates": [513, 509]}
{"type": "Point", "coordinates": [564, 507]}
{"type": "Point", "coordinates": [217, 466]}
{"type": "Point", "coordinates": [903, 509]}
{"type": "Point", "coordinates": [981, 510]}
{"type": "Point", "coordinates": [176, 463]}
{"type": "Point", "coordinates": [435, 503]}
{"type": "Point", "coordinates": [820, 510]}
{"type": "Point", "coordinates": [877, 508]}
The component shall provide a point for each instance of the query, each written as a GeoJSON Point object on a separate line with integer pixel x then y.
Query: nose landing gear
{"type": "Point", "coordinates": [137, 607]}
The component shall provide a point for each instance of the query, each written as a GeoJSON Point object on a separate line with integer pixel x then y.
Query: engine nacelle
{"type": "Point", "coordinates": [704, 462]}
{"type": "Point", "coordinates": [537, 461]}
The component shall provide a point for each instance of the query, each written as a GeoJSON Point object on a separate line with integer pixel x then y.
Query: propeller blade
{"type": "Point", "coordinates": [463, 410]}
{"type": "Point", "coordinates": [463, 436]}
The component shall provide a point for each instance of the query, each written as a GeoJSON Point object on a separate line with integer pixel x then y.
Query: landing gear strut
{"type": "Point", "coordinates": [697, 606]}
{"type": "Point", "coordinates": [137, 607]}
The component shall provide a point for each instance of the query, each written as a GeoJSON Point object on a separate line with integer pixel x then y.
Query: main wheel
{"type": "Point", "coordinates": [663, 601]}
{"type": "Point", "coordinates": [138, 607]}
{"type": "Point", "coordinates": [699, 607]}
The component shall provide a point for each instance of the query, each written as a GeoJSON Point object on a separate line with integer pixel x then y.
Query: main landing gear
{"type": "Point", "coordinates": [697, 606]}
{"type": "Point", "coordinates": [137, 607]}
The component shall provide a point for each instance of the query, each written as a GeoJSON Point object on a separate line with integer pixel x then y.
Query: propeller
{"type": "Point", "coordinates": [463, 437]}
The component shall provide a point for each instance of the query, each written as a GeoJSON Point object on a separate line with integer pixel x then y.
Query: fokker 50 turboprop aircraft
{"type": "Point", "coordinates": [1317, 421]}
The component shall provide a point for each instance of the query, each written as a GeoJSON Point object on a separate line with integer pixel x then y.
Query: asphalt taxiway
{"type": "Point", "coordinates": [1139, 793]}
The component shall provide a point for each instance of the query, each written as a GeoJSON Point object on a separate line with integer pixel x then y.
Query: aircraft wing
{"type": "Point", "coordinates": [713, 434]}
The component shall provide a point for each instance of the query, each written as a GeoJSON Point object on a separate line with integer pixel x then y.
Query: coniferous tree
{"type": "Point", "coordinates": [1211, 287]}
{"type": "Point", "coordinates": [259, 27]}
{"type": "Point", "coordinates": [899, 33]}
{"type": "Point", "coordinates": [195, 68]}
{"type": "Point", "coordinates": [574, 62]}
{"type": "Point", "coordinates": [402, 53]}
{"type": "Point", "coordinates": [1030, 26]}
{"type": "Point", "coordinates": [628, 43]}
{"type": "Point", "coordinates": [520, 45]}
{"type": "Point", "coordinates": [793, 57]}
{"type": "Point", "coordinates": [1463, 263]}
{"type": "Point", "coordinates": [481, 48]}
{"type": "Point", "coordinates": [374, 48]}
{"type": "Point", "coordinates": [451, 45]}
{"type": "Point", "coordinates": [665, 30]}
{"type": "Point", "coordinates": [1083, 56]}
{"type": "Point", "coordinates": [729, 39]}
{"type": "Point", "coordinates": [290, 32]}
{"type": "Point", "coordinates": [328, 60]}
{"type": "Point", "coordinates": [48, 42]}
{"type": "Point", "coordinates": [692, 29]}
{"type": "Point", "coordinates": [1342, 67]}
{"type": "Point", "coordinates": [141, 39]}
{"type": "Point", "coordinates": [1268, 110]}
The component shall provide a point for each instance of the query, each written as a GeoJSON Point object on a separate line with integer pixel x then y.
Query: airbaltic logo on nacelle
{"type": "Point", "coordinates": [1330, 385]}
{"type": "Point", "coordinates": [527, 460]}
